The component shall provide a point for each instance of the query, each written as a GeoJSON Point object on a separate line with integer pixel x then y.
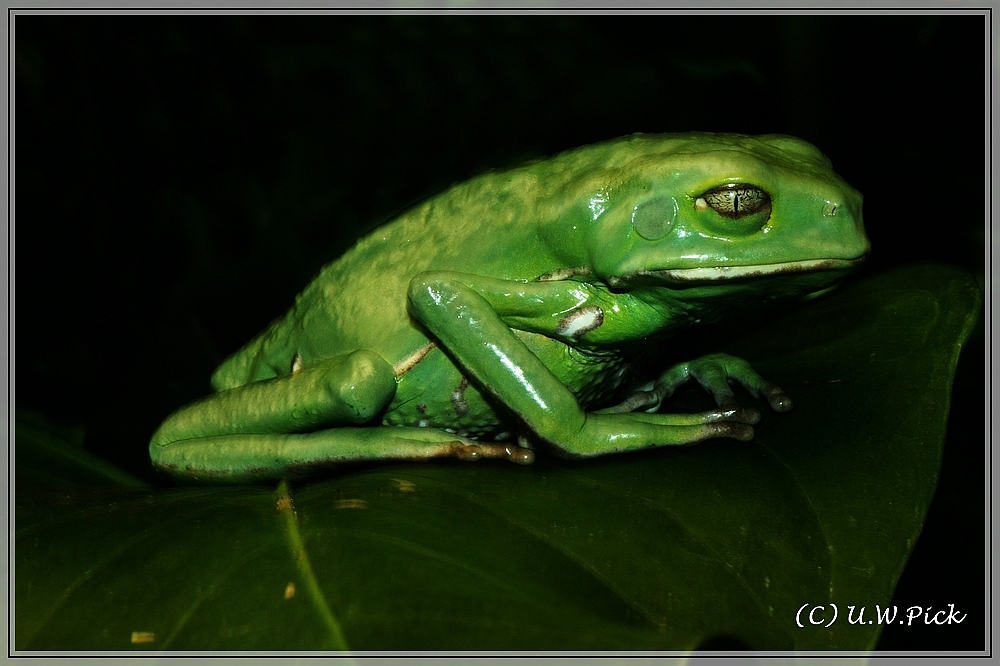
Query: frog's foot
{"type": "Point", "coordinates": [478, 450]}
{"type": "Point", "coordinates": [714, 373]}
{"type": "Point", "coordinates": [341, 445]}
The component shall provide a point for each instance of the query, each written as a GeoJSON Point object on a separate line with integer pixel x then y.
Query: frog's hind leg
{"type": "Point", "coordinates": [253, 432]}
{"type": "Point", "coordinates": [348, 389]}
{"type": "Point", "coordinates": [261, 458]}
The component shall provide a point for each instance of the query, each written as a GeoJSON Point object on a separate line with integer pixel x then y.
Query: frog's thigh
{"type": "Point", "coordinates": [351, 388]}
{"type": "Point", "coordinates": [253, 458]}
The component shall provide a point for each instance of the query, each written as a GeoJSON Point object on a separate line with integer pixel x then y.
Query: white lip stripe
{"type": "Point", "coordinates": [728, 272]}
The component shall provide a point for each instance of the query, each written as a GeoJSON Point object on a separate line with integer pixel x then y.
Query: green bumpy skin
{"type": "Point", "coordinates": [515, 310]}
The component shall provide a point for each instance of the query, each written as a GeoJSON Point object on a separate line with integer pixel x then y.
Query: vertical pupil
{"type": "Point", "coordinates": [737, 201]}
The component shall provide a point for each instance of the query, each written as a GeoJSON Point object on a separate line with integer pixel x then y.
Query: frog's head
{"type": "Point", "coordinates": [704, 209]}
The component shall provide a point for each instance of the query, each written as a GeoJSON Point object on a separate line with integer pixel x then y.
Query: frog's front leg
{"type": "Point", "coordinates": [713, 372]}
{"type": "Point", "coordinates": [254, 432]}
{"type": "Point", "coordinates": [466, 313]}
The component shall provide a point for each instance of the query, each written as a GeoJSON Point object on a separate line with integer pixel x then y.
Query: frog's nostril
{"type": "Point", "coordinates": [830, 209]}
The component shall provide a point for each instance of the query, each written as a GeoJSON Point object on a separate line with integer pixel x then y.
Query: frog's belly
{"type": "Point", "coordinates": [436, 394]}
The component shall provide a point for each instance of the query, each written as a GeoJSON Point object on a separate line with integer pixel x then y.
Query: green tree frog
{"type": "Point", "coordinates": [514, 312]}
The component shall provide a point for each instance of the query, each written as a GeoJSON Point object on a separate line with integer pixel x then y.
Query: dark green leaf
{"type": "Point", "coordinates": [49, 454]}
{"type": "Point", "coordinates": [665, 549]}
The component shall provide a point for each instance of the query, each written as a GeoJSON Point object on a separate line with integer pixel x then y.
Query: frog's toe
{"type": "Point", "coordinates": [732, 414]}
{"type": "Point", "coordinates": [716, 372]}
{"type": "Point", "coordinates": [737, 431]}
{"type": "Point", "coordinates": [479, 451]}
{"type": "Point", "coordinates": [775, 397]}
{"type": "Point", "coordinates": [520, 455]}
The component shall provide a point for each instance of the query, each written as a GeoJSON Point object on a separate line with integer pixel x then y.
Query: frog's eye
{"type": "Point", "coordinates": [735, 200]}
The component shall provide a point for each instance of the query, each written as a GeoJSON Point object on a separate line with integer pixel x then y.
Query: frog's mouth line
{"type": "Point", "coordinates": [708, 274]}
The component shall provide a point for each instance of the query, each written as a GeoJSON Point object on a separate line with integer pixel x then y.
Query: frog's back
{"type": "Point", "coordinates": [358, 301]}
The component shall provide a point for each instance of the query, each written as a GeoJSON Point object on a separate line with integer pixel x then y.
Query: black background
{"type": "Point", "coordinates": [179, 179]}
